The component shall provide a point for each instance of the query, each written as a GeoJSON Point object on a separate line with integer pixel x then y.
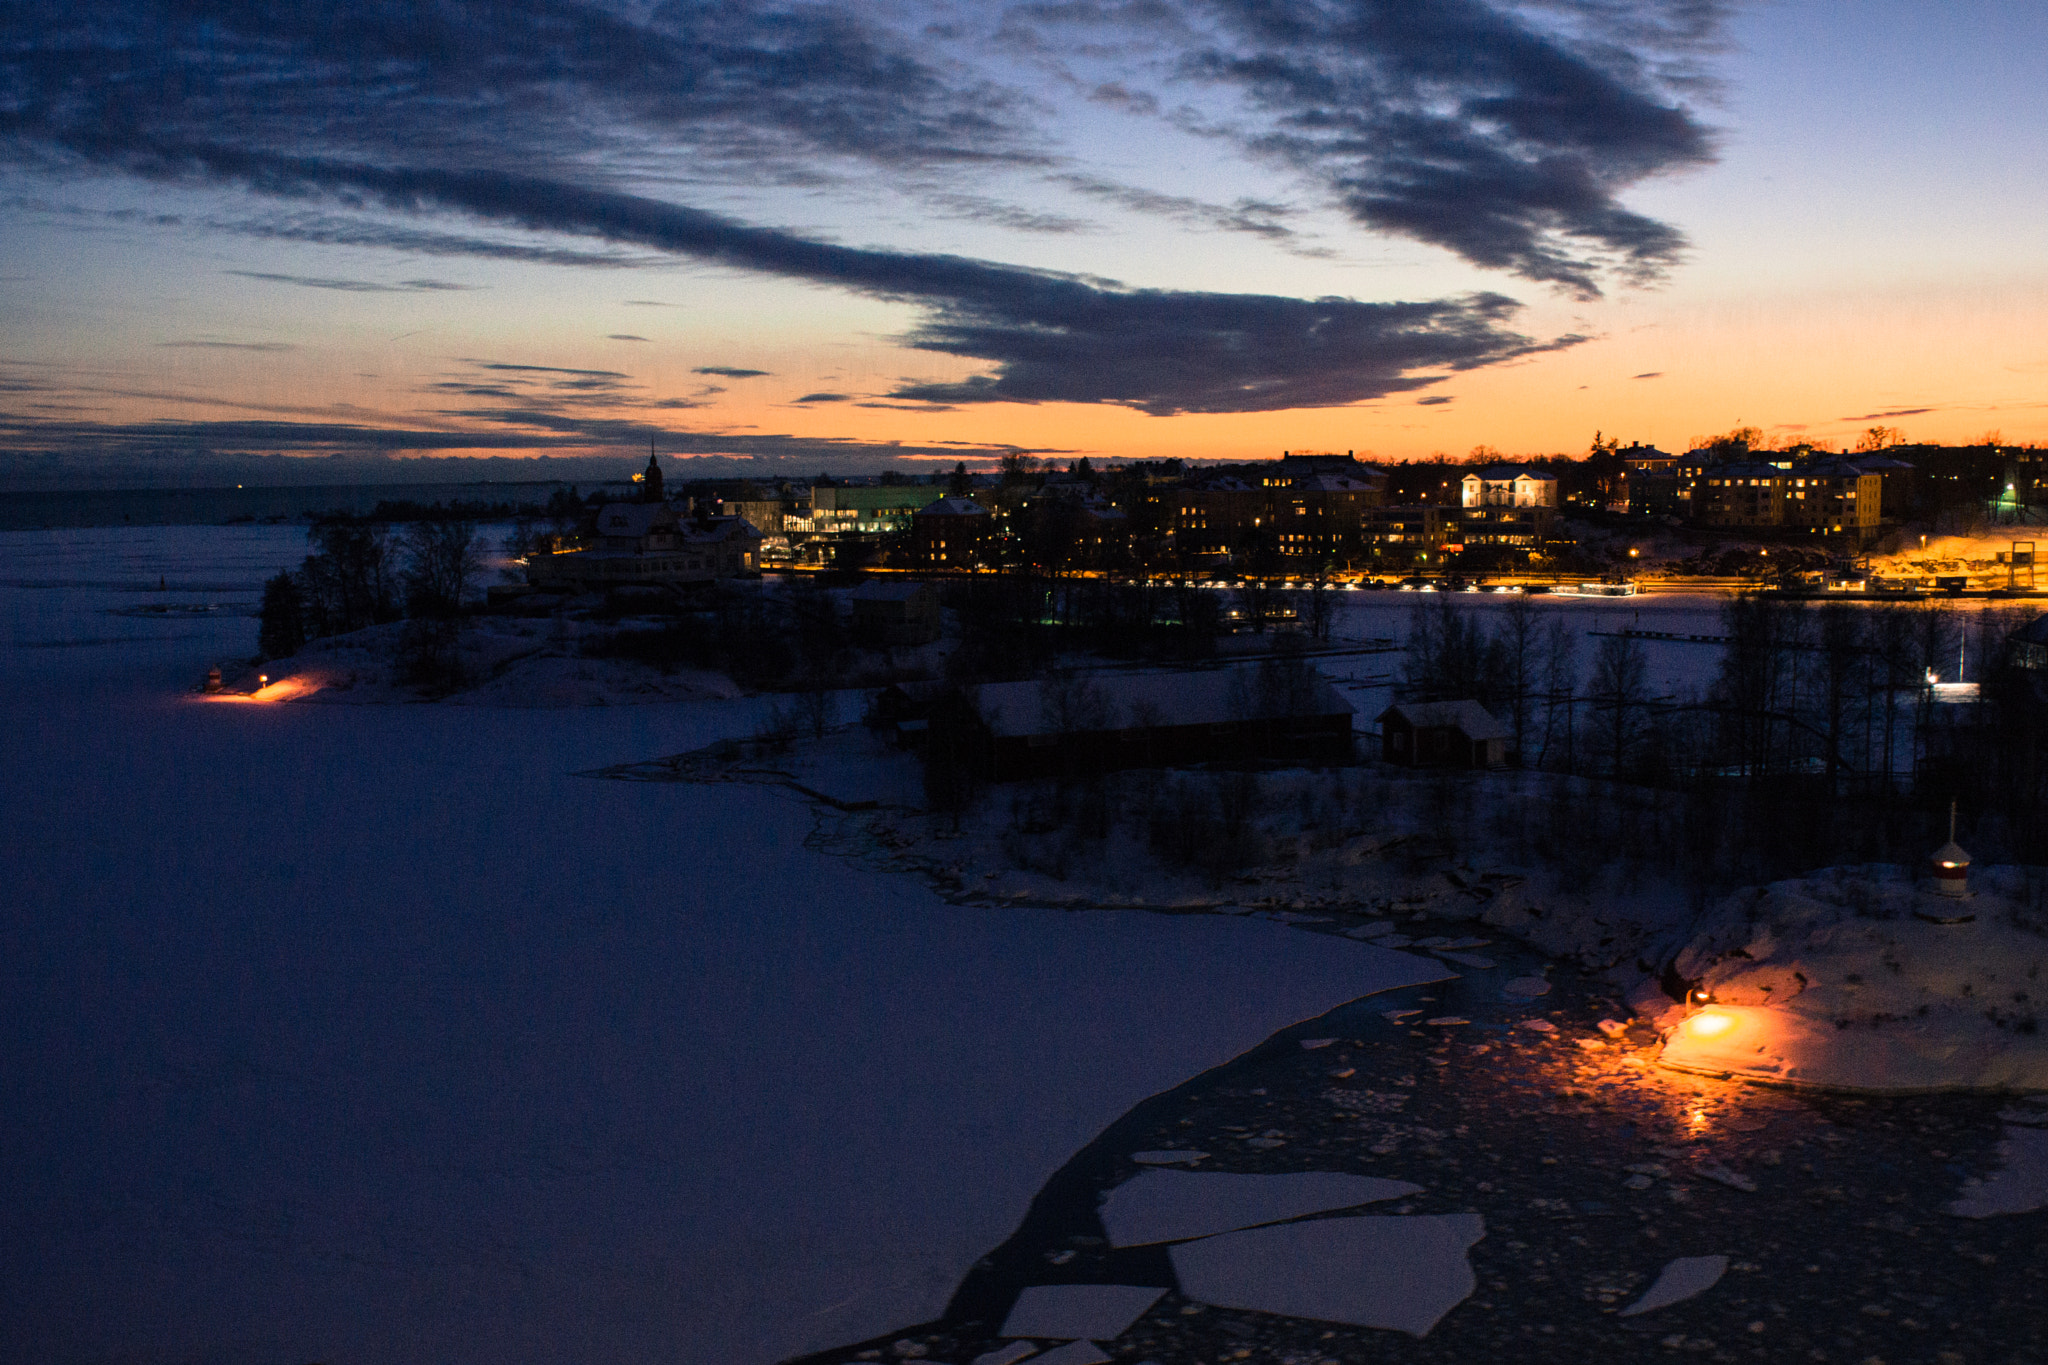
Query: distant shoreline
{"type": "Point", "coordinates": [81, 509]}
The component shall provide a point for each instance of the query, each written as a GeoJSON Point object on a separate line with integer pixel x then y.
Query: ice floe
{"type": "Point", "coordinates": [1682, 1279]}
{"type": "Point", "coordinates": [1098, 1312]}
{"type": "Point", "coordinates": [1399, 1273]}
{"type": "Point", "coordinates": [1168, 1206]}
{"type": "Point", "coordinates": [1006, 1355]}
{"type": "Point", "coordinates": [1073, 1353]}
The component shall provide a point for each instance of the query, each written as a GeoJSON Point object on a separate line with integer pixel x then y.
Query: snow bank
{"type": "Point", "coordinates": [504, 661]}
{"type": "Point", "coordinates": [1841, 980]}
{"type": "Point", "coordinates": [1977, 551]}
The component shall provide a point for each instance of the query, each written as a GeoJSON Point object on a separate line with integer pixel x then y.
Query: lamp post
{"type": "Point", "coordinates": [1951, 864]}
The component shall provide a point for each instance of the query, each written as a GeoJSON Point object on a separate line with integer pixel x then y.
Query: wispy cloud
{"type": "Point", "coordinates": [354, 286]}
{"type": "Point", "coordinates": [1247, 215]}
{"type": "Point", "coordinates": [1889, 412]}
{"type": "Point", "coordinates": [623, 336]}
{"type": "Point", "coordinates": [228, 345]}
{"type": "Point", "coordinates": [729, 372]}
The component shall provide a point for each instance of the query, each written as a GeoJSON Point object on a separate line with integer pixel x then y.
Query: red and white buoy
{"type": "Point", "coordinates": [1951, 864]}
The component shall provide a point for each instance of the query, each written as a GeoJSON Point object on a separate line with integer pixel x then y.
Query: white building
{"type": "Point", "coordinates": [1510, 486]}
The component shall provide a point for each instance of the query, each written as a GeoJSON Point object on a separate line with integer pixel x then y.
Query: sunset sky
{"type": "Point", "coordinates": [822, 236]}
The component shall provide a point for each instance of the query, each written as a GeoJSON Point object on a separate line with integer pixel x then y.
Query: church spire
{"type": "Point", "coordinates": [650, 482]}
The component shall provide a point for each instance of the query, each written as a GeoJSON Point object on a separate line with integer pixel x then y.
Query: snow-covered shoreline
{"type": "Point", "coordinates": [1857, 979]}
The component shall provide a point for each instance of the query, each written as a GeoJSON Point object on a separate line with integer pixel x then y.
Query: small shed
{"type": "Point", "coordinates": [896, 613]}
{"type": "Point", "coordinates": [1442, 734]}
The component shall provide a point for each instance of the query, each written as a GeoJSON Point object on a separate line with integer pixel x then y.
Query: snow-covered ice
{"type": "Point", "coordinates": [2020, 1185]}
{"type": "Point", "coordinates": [1400, 1273]}
{"type": "Point", "coordinates": [1073, 1353]}
{"type": "Point", "coordinates": [1167, 1206]}
{"type": "Point", "coordinates": [1097, 1311]}
{"type": "Point", "coordinates": [1168, 1158]}
{"type": "Point", "coordinates": [1006, 1355]}
{"type": "Point", "coordinates": [372, 1033]}
{"type": "Point", "coordinates": [1684, 1278]}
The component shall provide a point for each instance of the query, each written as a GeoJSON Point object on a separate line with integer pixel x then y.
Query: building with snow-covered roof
{"type": "Point", "coordinates": [1451, 734]}
{"type": "Point", "coordinates": [1097, 722]}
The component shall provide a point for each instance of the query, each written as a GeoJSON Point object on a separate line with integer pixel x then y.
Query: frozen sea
{"type": "Point", "coordinates": [376, 1034]}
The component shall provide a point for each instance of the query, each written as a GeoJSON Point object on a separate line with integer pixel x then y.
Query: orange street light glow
{"type": "Point", "coordinates": [284, 689]}
{"type": "Point", "coordinates": [1709, 1024]}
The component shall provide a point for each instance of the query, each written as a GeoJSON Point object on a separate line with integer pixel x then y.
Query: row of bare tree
{"type": "Point", "coordinates": [1835, 695]}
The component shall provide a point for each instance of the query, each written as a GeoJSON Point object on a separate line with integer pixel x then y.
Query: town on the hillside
{"type": "Point", "coordinates": [1721, 509]}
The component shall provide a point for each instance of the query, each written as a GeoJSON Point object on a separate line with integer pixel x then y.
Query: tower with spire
{"type": "Point", "coordinates": [650, 482]}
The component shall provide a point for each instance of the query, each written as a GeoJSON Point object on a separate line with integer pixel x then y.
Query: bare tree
{"type": "Point", "coordinates": [442, 559]}
{"type": "Point", "coordinates": [348, 581]}
{"type": "Point", "coordinates": [1895, 672]}
{"type": "Point", "coordinates": [1322, 608]}
{"type": "Point", "coordinates": [1620, 674]}
{"type": "Point", "coordinates": [1560, 683]}
{"type": "Point", "coordinates": [1844, 668]}
{"type": "Point", "coordinates": [1516, 648]}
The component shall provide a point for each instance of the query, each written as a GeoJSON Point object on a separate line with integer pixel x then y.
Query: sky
{"type": "Point", "coordinates": [394, 240]}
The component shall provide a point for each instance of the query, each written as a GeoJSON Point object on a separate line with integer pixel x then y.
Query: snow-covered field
{"type": "Point", "coordinates": [375, 1034]}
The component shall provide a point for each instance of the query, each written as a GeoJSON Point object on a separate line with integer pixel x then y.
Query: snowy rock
{"type": "Point", "coordinates": [2018, 1186]}
{"type": "Point", "coordinates": [1720, 1174]}
{"type": "Point", "coordinates": [1098, 1312]}
{"type": "Point", "coordinates": [1168, 1206]}
{"type": "Point", "coordinates": [1398, 1273]}
{"type": "Point", "coordinates": [1447, 1020]}
{"type": "Point", "coordinates": [1526, 987]}
{"type": "Point", "coordinates": [1540, 1025]}
{"type": "Point", "coordinates": [1683, 1279]}
{"type": "Point", "coordinates": [1838, 980]}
